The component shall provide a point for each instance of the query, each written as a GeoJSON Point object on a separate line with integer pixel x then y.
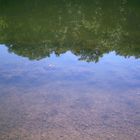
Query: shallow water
{"type": "Point", "coordinates": [69, 70]}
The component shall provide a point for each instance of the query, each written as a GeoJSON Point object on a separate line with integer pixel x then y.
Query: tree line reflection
{"type": "Point", "coordinates": [89, 29]}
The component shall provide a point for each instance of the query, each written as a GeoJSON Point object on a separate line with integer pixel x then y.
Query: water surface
{"type": "Point", "coordinates": [70, 70]}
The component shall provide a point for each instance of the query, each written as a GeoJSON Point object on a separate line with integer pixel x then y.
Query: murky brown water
{"type": "Point", "coordinates": [69, 70]}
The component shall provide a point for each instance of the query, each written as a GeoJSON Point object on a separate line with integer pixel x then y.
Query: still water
{"type": "Point", "coordinates": [70, 70]}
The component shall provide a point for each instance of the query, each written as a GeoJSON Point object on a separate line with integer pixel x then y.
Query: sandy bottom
{"type": "Point", "coordinates": [68, 113]}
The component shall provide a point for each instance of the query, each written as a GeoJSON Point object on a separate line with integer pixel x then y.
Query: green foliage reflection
{"type": "Point", "coordinates": [36, 28]}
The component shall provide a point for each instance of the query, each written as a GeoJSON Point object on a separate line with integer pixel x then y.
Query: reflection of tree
{"type": "Point", "coordinates": [89, 29]}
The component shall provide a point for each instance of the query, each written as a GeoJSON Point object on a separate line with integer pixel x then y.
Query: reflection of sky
{"type": "Point", "coordinates": [110, 72]}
